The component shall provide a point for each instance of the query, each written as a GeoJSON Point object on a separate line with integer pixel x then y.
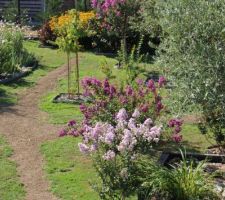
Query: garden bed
{"type": "Point", "coordinates": [8, 78]}
{"type": "Point", "coordinates": [72, 99]}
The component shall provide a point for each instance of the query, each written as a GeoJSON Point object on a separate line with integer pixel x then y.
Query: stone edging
{"type": "Point", "coordinates": [24, 72]}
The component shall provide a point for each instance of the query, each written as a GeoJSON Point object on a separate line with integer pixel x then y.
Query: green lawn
{"type": "Point", "coordinates": [89, 66]}
{"type": "Point", "coordinates": [69, 171]}
{"type": "Point", "coordinates": [10, 188]}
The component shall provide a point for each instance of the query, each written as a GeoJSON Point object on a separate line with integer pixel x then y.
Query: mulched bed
{"type": "Point", "coordinates": [72, 99]}
{"type": "Point", "coordinates": [8, 78]}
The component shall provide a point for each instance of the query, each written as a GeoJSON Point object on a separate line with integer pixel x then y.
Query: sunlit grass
{"type": "Point", "coordinates": [10, 188]}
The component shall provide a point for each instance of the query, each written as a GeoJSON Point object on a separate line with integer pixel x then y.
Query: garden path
{"type": "Point", "coordinates": [26, 128]}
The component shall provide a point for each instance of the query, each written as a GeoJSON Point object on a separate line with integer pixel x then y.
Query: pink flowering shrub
{"type": "Point", "coordinates": [114, 150]}
{"type": "Point", "coordinates": [115, 14]}
{"type": "Point", "coordinates": [108, 99]}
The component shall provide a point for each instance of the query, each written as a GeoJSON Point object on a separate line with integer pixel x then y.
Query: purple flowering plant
{"type": "Point", "coordinates": [108, 99]}
{"type": "Point", "coordinates": [175, 126]}
{"type": "Point", "coordinates": [114, 15]}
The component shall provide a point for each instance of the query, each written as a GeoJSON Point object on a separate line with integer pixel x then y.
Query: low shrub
{"type": "Point", "coordinates": [46, 35]}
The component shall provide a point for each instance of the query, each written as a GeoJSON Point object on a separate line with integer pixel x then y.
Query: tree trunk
{"type": "Point", "coordinates": [68, 68]}
{"type": "Point", "coordinates": [77, 74]}
{"type": "Point", "coordinates": [124, 40]}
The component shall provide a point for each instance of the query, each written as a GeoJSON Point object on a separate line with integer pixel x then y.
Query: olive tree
{"type": "Point", "coordinates": [192, 53]}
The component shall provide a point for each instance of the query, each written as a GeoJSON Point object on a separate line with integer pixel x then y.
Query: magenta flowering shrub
{"type": "Point", "coordinates": [176, 126]}
{"type": "Point", "coordinates": [114, 150]}
{"type": "Point", "coordinates": [115, 15]}
{"type": "Point", "coordinates": [108, 99]}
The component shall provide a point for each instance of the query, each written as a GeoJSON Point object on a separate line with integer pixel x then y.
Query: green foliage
{"type": "Point", "coordinates": [147, 20]}
{"type": "Point", "coordinates": [68, 34]}
{"type": "Point", "coordinates": [107, 70]}
{"type": "Point", "coordinates": [192, 52]}
{"type": "Point", "coordinates": [186, 180]}
{"type": "Point", "coordinates": [133, 63]}
{"type": "Point", "coordinates": [12, 53]}
{"type": "Point", "coordinates": [52, 8]}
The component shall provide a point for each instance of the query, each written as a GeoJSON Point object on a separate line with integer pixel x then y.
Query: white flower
{"type": "Point", "coordinates": [136, 113]}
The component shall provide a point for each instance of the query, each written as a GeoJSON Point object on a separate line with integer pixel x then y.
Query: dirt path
{"type": "Point", "coordinates": [26, 128]}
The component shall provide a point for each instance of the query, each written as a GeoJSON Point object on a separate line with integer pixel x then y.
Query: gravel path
{"type": "Point", "coordinates": [26, 128]}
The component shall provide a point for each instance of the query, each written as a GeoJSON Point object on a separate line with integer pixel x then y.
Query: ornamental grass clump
{"type": "Point", "coordinates": [186, 180]}
{"type": "Point", "coordinates": [13, 55]}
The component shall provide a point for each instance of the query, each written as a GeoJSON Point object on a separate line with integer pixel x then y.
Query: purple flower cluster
{"type": "Point", "coordinates": [176, 125]}
{"type": "Point", "coordinates": [124, 137]}
{"type": "Point", "coordinates": [108, 99]}
{"type": "Point", "coordinates": [72, 129]}
{"type": "Point", "coordinates": [162, 81]}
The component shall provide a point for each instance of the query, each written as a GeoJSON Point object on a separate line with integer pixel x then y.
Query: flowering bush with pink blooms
{"type": "Point", "coordinates": [114, 150]}
{"type": "Point", "coordinates": [117, 139]}
{"type": "Point", "coordinates": [115, 16]}
{"type": "Point", "coordinates": [108, 99]}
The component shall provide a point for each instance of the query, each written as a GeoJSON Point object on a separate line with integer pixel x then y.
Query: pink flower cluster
{"type": "Point", "coordinates": [106, 5]}
{"type": "Point", "coordinates": [126, 136]}
{"type": "Point", "coordinates": [175, 125]}
{"type": "Point", "coordinates": [72, 129]}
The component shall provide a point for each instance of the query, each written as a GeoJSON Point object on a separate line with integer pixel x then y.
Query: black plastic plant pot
{"type": "Point", "coordinates": [167, 156]}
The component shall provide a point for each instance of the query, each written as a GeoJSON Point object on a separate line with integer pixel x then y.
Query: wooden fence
{"type": "Point", "coordinates": [33, 7]}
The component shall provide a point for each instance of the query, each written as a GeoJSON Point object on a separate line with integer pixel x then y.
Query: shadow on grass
{"type": "Point", "coordinates": [20, 83]}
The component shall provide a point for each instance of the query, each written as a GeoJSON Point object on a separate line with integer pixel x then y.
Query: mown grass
{"type": "Point", "coordinates": [89, 67]}
{"type": "Point", "coordinates": [69, 171]}
{"type": "Point", "coordinates": [10, 188]}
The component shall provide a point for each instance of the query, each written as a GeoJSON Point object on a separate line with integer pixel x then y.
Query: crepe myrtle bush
{"type": "Point", "coordinates": [192, 52]}
{"type": "Point", "coordinates": [114, 149]}
{"type": "Point", "coordinates": [142, 100]}
{"type": "Point", "coordinates": [116, 16]}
